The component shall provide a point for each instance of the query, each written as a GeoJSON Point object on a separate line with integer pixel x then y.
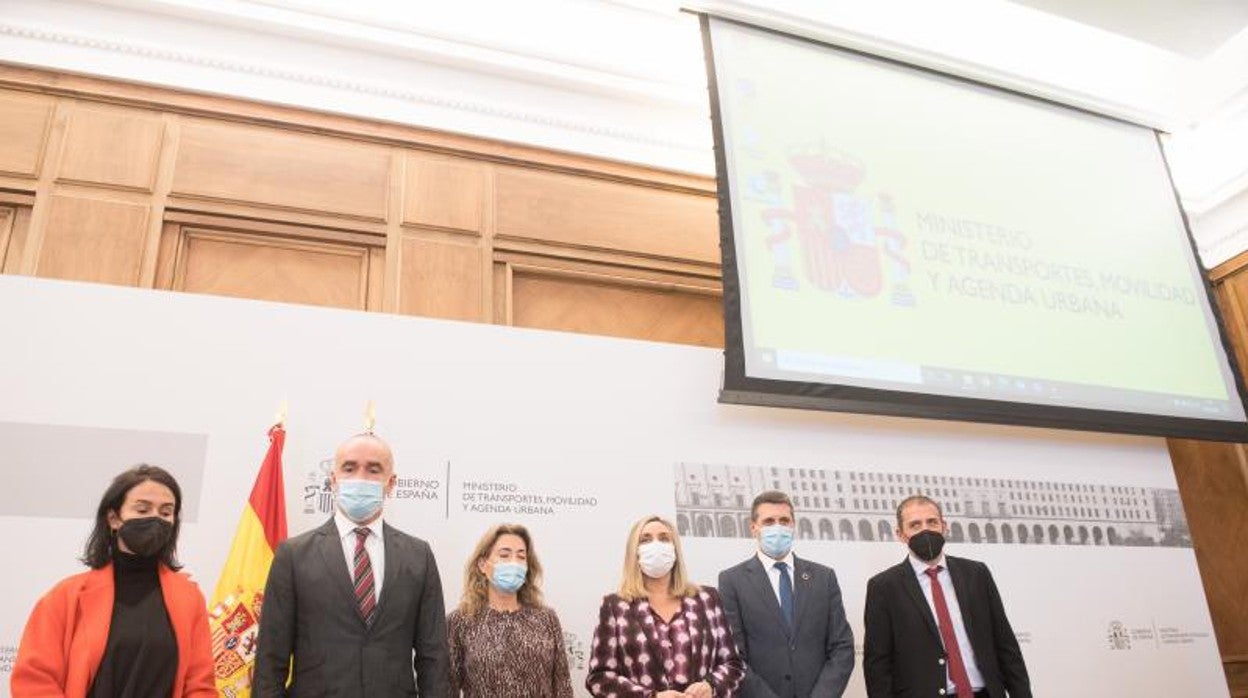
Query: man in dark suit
{"type": "Point", "coordinates": [786, 613]}
{"type": "Point", "coordinates": [935, 624]}
{"type": "Point", "coordinates": [354, 604]}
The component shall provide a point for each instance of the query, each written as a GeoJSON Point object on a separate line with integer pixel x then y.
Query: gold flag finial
{"type": "Point", "coordinates": [370, 417]}
{"type": "Point", "coordinates": [281, 413]}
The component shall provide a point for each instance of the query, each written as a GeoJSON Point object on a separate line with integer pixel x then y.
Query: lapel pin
{"type": "Point", "coordinates": [805, 576]}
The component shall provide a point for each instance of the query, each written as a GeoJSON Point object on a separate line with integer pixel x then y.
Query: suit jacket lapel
{"type": "Point", "coordinates": [95, 606]}
{"type": "Point", "coordinates": [962, 587]}
{"type": "Point", "coordinates": [801, 591]}
{"type": "Point", "coordinates": [760, 579]}
{"type": "Point", "coordinates": [335, 561]}
{"type": "Point", "coordinates": [911, 584]}
{"type": "Point", "coordinates": [390, 542]}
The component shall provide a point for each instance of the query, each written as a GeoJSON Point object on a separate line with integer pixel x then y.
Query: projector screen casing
{"type": "Point", "coordinates": [743, 388]}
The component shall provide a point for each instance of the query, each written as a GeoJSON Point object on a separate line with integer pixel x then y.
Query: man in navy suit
{"type": "Point", "coordinates": [935, 624]}
{"type": "Point", "coordinates": [786, 613]}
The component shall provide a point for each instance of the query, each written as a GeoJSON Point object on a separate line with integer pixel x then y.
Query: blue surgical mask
{"type": "Point", "coordinates": [776, 540]}
{"type": "Point", "coordinates": [360, 500]}
{"type": "Point", "coordinates": [508, 577]}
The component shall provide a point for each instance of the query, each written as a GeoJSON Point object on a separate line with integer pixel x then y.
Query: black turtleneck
{"type": "Point", "coordinates": [141, 656]}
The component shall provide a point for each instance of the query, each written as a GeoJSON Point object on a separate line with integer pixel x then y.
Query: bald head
{"type": "Point", "coordinates": [367, 457]}
{"type": "Point", "coordinates": [365, 444]}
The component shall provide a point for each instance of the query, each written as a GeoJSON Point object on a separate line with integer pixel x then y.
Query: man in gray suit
{"type": "Point", "coordinates": [786, 613]}
{"type": "Point", "coordinates": [354, 604]}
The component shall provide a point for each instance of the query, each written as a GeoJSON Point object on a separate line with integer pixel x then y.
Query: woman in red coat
{"type": "Point", "coordinates": [132, 626]}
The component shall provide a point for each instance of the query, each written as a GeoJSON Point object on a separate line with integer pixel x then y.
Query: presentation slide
{"type": "Point", "coordinates": [899, 229]}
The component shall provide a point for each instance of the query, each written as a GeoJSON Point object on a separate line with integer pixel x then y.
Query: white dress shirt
{"type": "Point", "coordinates": [955, 614]}
{"type": "Point", "coordinates": [373, 544]}
{"type": "Point", "coordinates": [773, 574]}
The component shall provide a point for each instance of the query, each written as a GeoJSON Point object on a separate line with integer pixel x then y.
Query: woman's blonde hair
{"type": "Point", "coordinates": [633, 582]}
{"type": "Point", "coordinates": [476, 585]}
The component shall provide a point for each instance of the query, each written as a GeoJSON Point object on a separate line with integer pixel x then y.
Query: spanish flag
{"type": "Point", "coordinates": [234, 615]}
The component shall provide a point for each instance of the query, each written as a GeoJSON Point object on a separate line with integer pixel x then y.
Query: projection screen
{"type": "Point", "coordinates": [901, 241]}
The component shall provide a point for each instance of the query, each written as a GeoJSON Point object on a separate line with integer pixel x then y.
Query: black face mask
{"type": "Point", "coordinates": [145, 536]}
{"type": "Point", "coordinates": [926, 545]}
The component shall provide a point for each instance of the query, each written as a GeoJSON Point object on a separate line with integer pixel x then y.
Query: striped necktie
{"type": "Point", "coordinates": [365, 586]}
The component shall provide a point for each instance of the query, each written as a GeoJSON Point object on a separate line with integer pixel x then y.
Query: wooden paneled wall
{"type": "Point", "coordinates": [1213, 482]}
{"type": "Point", "coordinates": [122, 184]}
{"type": "Point", "coordinates": [114, 183]}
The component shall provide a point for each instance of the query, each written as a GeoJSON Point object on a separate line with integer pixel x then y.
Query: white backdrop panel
{"type": "Point", "coordinates": [589, 433]}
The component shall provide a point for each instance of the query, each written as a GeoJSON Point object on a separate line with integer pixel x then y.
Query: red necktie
{"type": "Point", "coordinates": [365, 599]}
{"type": "Point", "coordinates": [957, 670]}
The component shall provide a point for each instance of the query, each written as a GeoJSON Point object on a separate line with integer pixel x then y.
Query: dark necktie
{"type": "Point", "coordinates": [365, 599]}
{"type": "Point", "coordinates": [786, 593]}
{"type": "Point", "coordinates": [957, 669]}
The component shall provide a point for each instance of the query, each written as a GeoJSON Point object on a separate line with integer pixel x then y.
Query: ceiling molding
{"type": "Point", "coordinates": [268, 70]}
{"type": "Point", "coordinates": [1223, 247]}
{"type": "Point", "coordinates": [566, 111]}
{"type": "Point", "coordinates": [1222, 231]}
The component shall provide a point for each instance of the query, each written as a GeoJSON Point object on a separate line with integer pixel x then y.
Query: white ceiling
{"type": "Point", "coordinates": [625, 79]}
{"type": "Point", "coordinates": [1193, 28]}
